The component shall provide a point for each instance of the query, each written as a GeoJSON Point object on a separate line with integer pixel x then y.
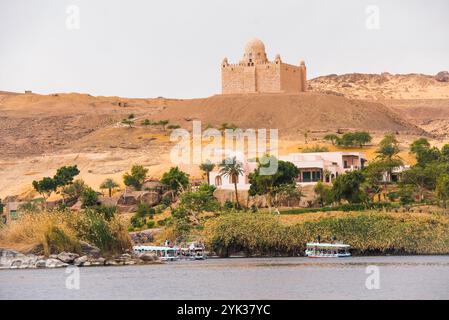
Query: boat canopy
{"type": "Point", "coordinates": [327, 245]}
{"type": "Point", "coordinates": [155, 248]}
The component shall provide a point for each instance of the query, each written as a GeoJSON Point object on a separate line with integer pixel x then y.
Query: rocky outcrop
{"type": "Point", "coordinates": [89, 250]}
{"type": "Point", "coordinates": [67, 257]}
{"type": "Point", "coordinates": [142, 237]}
{"type": "Point", "coordinates": [148, 257]}
{"type": "Point", "coordinates": [11, 259]}
{"type": "Point", "coordinates": [442, 76]}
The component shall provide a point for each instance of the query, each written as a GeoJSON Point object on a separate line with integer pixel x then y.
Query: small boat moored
{"type": "Point", "coordinates": [164, 253]}
{"type": "Point", "coordinates": [197, 252]}
{"type": "Point", "coordinates": [327, 250]}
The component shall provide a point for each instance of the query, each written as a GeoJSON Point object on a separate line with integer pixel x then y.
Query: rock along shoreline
{"type": "Point", "coordinates": [12, 259]}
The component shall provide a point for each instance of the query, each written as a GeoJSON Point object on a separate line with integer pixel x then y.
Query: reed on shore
{"type": "Point", "coordinates": [367, 232]}
{"type": "Point", "coordinates": [53, 231]}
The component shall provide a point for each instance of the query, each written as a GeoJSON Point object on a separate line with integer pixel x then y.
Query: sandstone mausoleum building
{"type": "Point", "coordinates": [255, 73]}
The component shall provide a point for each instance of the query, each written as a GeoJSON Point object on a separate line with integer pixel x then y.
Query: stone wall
{"type": "Point", "coordinates": [290, 78]}
{"type": "Point", "coordinates": [265, 77]}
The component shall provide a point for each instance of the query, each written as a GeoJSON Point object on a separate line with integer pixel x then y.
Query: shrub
{"type": "Point", "coordinates": [49, 230]}
{"type": "Point", "coordinates": [108, 212]}
{"type": "Point", "coordinates": [136, 178]}
{"type": "Point", "coordinates": [228, 205]}
{"type": "Point", "coordinates": [89, 197]}
{"type": "Point", "coordinates": [137, 222]}
{"type": "Point", "coordinates": [347, 207]}
{"type": "Point", "coordinates": [109, 236]}
{"type": "Point", "coordinates": [392, 196]}
{"type": "Point", "coordinates": [151, 224]}
{"type": "Point", "coordinates": [144, 210]}
{"type": "Point", "coordinates": [166, 201]}
{"type": "Point", "coordinates": [316, 148]}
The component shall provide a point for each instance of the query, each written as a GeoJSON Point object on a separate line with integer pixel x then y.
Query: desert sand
{"type": "Point", "coordinates": [39, 133]}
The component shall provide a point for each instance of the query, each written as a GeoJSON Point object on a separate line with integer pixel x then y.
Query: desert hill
{"type": "Point", "coordinates": [290, 113]}
{"type": "Point", "coordinates": [33, 124]}
{"type": "Point", "coordinates": [385, 85]}
{"type": "Point", "coordinates": [420, 99]}
{"type": "Point", "coordinates": [39, 133]}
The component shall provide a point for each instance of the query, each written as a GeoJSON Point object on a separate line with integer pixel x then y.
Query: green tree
{"type": "Point", "coordinates": [89, 198]}
{"type": "Point", "coordinates": [199, 201]}
{"type": "Point", "coordinates": [288, 193]}
{"type": "Point", "coordinates": [128, 122]}
{"type": "Point", "coordinates": [421, 178]}
{"type": "Point", "coordinates": [388, 153]}
{"type": "Point", "coordinates": [175, 180]}
{"type": "Point", "coordinates": [232, 168]}
{"type": "Point", "coordinates": [45, 187]}
{"type": "Point", "coordinates": [74, 190]}
{"type": "Point", "coordinates": [442, 189]}
{"type": "Point", "coordinates": [444, 154]}
{"type": "Point", "coordinates": [110, 185]}
{"type": "Point", "coordinates": [163, 123]}
{"type": "Point", "coordinates": [136, 178]}
{"type": "Point", "coordinates": [389, 147]}
{"type": "Point", "coordinates": [348, 187]}
{"type": "Point", "coordinates": [323, 193]}
{"type": "Point", "coordinates": [362, 138]}
{"type": "Point", "coordinates": [207, 167]}
{"type": "Point", "coordinates": [65, 175]}
{"type": "Point", "coordinates": [145, 122]}
{"type": "Point", "coordinates": [347, 140]}
{"type": "Point", "coordinates": [268, 185]}
{"type": "Point", "coordinates": [333, 138]}
{"type": "Point", "coordinates": [423, 152]}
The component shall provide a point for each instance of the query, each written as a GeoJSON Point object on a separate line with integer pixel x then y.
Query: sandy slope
{"type": "Point", "coordinates": [39, 133]}
{"type": "Point", "coordinates": [420, 99]}
{"type": "Point", "coordinates": [383, 86]}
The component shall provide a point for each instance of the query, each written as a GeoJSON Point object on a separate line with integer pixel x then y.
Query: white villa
{"type": "Point", "coordinates": [226, 183]}
{"type": "Point", "coordinates": [324, 166]}
{"type": "Point", "coordinates": [313, 167]}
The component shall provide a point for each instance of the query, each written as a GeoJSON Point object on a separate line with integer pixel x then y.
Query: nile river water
{"type": "Point", "coordinates": [390, 277]}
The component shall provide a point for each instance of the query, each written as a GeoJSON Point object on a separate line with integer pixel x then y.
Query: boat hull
{"type": "Point", "coordinates": [329, 256]}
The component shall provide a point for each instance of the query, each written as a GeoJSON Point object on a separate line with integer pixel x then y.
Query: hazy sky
{"type": "Point", "coordinates": [173, 48]}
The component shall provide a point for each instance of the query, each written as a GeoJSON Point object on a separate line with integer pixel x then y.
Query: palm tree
{"type": "Point", "coordinates": [306, 136]}
{"type": "Point", "coordinates": [332, 138]}
{"type": "Point", "coordinates": [232, 168]}
{"type": "Point", "coordinates": [207, 167]}
{"type": "Point", "coordinates": [110, 185]}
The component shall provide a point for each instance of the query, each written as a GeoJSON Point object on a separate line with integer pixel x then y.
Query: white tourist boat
{"type": "Point", "coordinates": [327, 250]}
{"type": "Point", "coordinates": [164, 253]}
{"type": "Point", "coordinates": [195, 252]}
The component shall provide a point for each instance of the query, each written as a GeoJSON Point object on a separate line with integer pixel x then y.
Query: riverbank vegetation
{"type": "Point", "coordinates": [368, 232]}
{"type": "Point", "coordinates": [53, 231]}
